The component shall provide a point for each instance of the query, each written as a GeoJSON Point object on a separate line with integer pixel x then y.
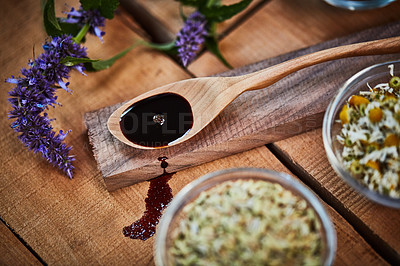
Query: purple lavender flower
{"type": "Point", "coordinates": [191, 36]}
{"type": "Point", "coordinates": [91, 17]}
{"type": "Point", "coordinates": [55, 50]}
{"type": "Point", "coordinates": [35, 91]}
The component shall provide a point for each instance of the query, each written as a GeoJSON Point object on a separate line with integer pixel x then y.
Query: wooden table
{"type": "Point", "coordinates": [49, 219]}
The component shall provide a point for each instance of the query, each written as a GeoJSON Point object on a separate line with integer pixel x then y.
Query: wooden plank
{"type": "Point", "coordinates": [165, 14]}
{"type": "Point", "coordinates": [12, 251]}
{"type": "Point", "coordinates": [73, 221]}
{"type": "Point", "coordinates": [283, 21]}
{"type": "Point", "coordinates": [381, 224]}
{"type": "Point", "coordinates": [282, 26]}
{"type": "Point", "coordinates": [352, 249]}
{"type": "Point", "coordinates": [246, 123]}
{"type": "Point", "coordinates": [77, 221]}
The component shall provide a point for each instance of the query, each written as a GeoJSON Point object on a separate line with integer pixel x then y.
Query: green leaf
{"type": "Point", "coordinates": [90, 4]}
{"type": "Point", "coordinates": [211, 3]}
{"type": "Point", "coordinates": [71, 61]}
{"type": "Point", "coordinates": [212, 46]}
{"type": "Point", "coordinates": [108, 8]}
{"type": "Point", "coordinates": [104, 64]}
{"type": "Point", "coordinates": [53, 25]}
{"type": "Point", "coordinates": [50, 21]}
{"type": "Point", "coordinates": [222, 13]}
{"type": "Point", "coordinates": [69, 28]}
{"type": "Point", "coordinates": [66, 28]}
{"type": "Point", "coordinates": [51, 14]}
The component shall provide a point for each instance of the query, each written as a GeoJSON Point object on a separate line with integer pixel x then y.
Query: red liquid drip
{"type": "Point", "coordinates": [159, 196]}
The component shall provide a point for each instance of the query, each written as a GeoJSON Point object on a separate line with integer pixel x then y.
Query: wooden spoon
{"type": "Point", "coordinates": [208, 96]}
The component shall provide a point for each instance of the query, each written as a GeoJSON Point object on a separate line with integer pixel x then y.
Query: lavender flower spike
{"type": "Point", "coordinates": [34, 92]}
{"type": "Point", "coordinates": [91, 17]}
{"type": "Point", "coordinates": [191, 36]}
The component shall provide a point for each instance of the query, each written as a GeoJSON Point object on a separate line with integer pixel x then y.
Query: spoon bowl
{"type": "Point", "coordinates": [194, 91]}
{"type": "Point", "coordinates": [208, 96]}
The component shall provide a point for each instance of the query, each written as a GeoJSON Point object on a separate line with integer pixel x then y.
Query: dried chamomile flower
{"type": "Point", "coordinates": [247, 222]}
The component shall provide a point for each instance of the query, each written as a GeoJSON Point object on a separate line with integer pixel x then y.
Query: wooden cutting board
{"type": "Point", "coordinates": [289, 107]}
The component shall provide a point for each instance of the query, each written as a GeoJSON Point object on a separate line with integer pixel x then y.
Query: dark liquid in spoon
{"type": "Point", "coordinates": [157, 121]}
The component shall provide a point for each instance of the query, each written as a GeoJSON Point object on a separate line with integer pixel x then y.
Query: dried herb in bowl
{"type": "Point", "coordinates": [247, 221]}
{"type": "Point", "coordinates": [370, 136]}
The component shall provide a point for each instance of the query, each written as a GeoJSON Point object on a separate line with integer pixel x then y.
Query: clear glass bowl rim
{"type": "Point", "coordinates": [359, 5]}
{"type": "Point", "coordinates": [281, 178]}
{"type": "Point", "coordinates": [328, 121]}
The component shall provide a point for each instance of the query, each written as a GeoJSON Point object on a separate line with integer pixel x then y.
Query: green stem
{"type": "Point", "coordinates": [104, 64]}
{"type": "Point", "coordinates": [213, 30]}
{"type": "Point", "coordinates": [78, 38]}
{"type": "Point", "coordinates": [181, 13]}
{"type": "Point", "coordinates": [157, 46]}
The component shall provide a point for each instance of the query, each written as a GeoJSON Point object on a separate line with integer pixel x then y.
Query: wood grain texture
{"type": "Point", "coordinates": [167, 13]}
{"type": "Point", "coordinates": [309, 156]}
{"type": "Point", "coordinates": [246, 123]}
{"type": "Point", "coordinates": [208, 96]}
{"type": "Point", "coordinates": [73, 222]}
{"type": "Point", "coordinates": [282, 26]}
{"type": "Point", "coordinates": [283, 22]}
{"type": "Point", "coordinates": [12, 251]}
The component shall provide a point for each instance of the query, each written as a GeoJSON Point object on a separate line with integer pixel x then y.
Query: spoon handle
{"type": "Point", "coordinates": [268, 76]}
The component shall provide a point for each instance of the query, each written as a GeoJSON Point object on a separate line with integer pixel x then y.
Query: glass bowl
{"type": "Point", "coordinates": [190, 192]}
{"type": "Point", "coordinates": [372, 75]}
